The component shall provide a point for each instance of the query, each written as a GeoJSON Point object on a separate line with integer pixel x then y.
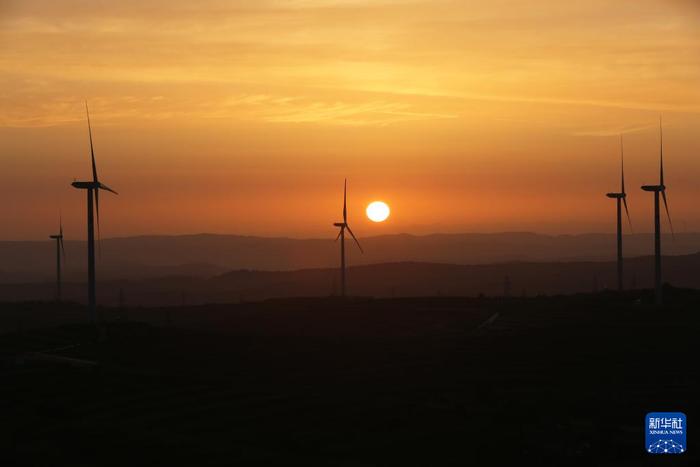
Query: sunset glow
{"type": "Point", "coordinates": [470, 116]}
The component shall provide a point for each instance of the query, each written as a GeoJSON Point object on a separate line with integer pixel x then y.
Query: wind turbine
{"type": "Point", "coordinates": [60, 256]}
{"type": "Point", "coordinates": [621, 198]}
{"type": "Point", "coordinates": [656, 189]}
{"type": "Point", "coordinates": [341, 235]}
{"type": "Point", "coordinates": [93, 190]}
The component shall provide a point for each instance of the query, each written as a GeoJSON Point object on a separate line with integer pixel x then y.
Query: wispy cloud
{"type": "Point", "coordinates": [305, 110]}
{"type": "Point", "coordinates": [345, 61]}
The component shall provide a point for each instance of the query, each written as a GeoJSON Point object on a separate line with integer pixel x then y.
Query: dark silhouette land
{"type": "Point", "coordinates": [407, 381]}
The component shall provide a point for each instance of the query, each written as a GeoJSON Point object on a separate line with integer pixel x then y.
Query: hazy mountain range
{"type": "Point", "coordinates": [161, 283]}
{"type": "Point", "coordinates": [207, 255]}
{"type": "Point", "coordinates": [378, 280]}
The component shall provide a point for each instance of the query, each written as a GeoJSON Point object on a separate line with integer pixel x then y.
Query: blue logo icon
{"type": "Point", "coordinates": [665, 433]}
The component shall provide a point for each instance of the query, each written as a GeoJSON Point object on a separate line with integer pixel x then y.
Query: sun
{"type": "Point", "coordinates": [378, 211]}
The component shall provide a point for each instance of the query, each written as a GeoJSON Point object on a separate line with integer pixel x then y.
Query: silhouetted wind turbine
{"type": "Point", "coordinates": [656, 189]}
{"type": "Point", "coordinates": [60, 256]}
{"type": "Point", "coordinates": [93, 189]}
{"type": "Point", "coordinates": [621, 198]}
{"type": "Point", "coordinates": [341, 235]}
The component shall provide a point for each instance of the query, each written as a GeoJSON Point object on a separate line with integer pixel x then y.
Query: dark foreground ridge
{"type": "Point", "coordinates": [419, 381]}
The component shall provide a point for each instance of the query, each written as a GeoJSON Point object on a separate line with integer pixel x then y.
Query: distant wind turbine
{"type": "Point", "coordinates": [621, 198]}
{"type": "Point", "coordinates": [656, 189]}
{"type": "Point", "coordinates": [60, 257]}
{"type": "Point", "coordinates": [93, 189]}
{"type": "Point", "coordinates": [341, 235]}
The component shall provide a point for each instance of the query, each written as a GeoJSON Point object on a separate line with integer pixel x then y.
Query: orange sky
{"type": "Point", "coordinates": [244, 116]}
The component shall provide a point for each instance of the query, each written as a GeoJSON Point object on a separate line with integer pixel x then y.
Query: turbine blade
{"type": "Point", "coordinates": [670, 224]}
{"type": "Point", "coordinates": [92, 151]}
{"type": "Point", "coordinates": [355, 238]}
{"type": "Point", "coordinates": [63, 249]}
{"type": "Point", "coordinates": [624, 201]}
{"type": "Point", "coordinates": [337, 237]}
{"type": "Point", "coordinates": [345, 198]}
{"type": "Point", "coordinates": [102, 186]}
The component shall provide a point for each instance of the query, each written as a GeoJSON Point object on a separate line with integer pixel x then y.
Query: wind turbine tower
{"type": "Point", "coordinates": [656, 189]}
{"type": "Point", "coordinates": [621, 199]}
{"type": "Point", "coordinates": [92, 188]}
{"type": "Point", "coordinates": [341, 235]}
